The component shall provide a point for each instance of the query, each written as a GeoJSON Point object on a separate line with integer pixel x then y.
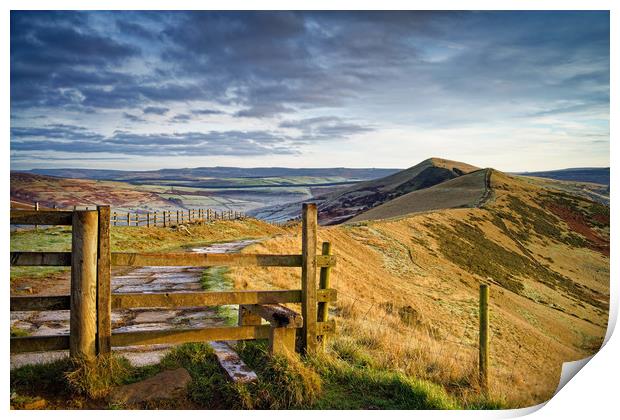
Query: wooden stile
{"type": "Point", "coordinates": [91, 300]}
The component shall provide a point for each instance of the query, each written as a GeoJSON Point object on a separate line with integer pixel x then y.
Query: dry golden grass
{"type": "Point", "coordinates": [408, 308]}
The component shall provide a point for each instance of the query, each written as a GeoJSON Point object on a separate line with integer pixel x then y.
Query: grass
{"type": "Point", "coordinates": [216, 279]}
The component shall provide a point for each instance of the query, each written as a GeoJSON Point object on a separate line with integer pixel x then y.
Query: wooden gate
{"type": "Point", "coordinates": [91, 300]}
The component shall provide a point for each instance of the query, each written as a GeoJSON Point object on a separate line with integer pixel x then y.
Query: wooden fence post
{"type": "Point", "coordinates": [36, 208]}
{"type": "Point", "coordinates": [128, 219]}
{"type": "Point", "coordinates": [148, 219]}
{"type": "Point", "coordinates": [323, 310]}
{"type": "Point", "coordinates": [114, 216]}
{"type": "Point", "coordinates": [104, 291]}
{"type": "Point", "coordinates": [164, 218]}
{"type": "Point", "coordinates": [155, 219]}
{"type": "Point", "coordinates": [483, 355]}
{"type": "Point", "coordinates": [83, 314]}
{"type": "Point", "coordinates": [308, 277]}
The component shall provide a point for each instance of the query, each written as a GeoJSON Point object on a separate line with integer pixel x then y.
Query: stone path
{"type": "Point", "coordinates": [140, 280]}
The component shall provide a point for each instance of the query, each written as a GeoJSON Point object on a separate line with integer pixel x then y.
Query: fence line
{"type": "Point", "coordinates": [161, 218]}
{"type": "Point", "coordinates": [91, 300]}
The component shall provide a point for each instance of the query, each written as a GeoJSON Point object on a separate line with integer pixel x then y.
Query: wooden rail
{"type": "Point", "coordinates": [183, 259]}
{"type": "Point", "coordinates": [164, 218]}
{"type": "Point", "coordinates": [91, 301]}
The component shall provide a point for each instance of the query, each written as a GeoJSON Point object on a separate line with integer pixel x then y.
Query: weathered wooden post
{"type": "Point", "coordinates": [155, 219]}
{"type": "Point", "coordinates": [104, 291]}
{"type": "Point", "coordinates": [483, 356]}
{"type": "Point", "coordinates": [148, 219]}
{"type": "Point", "coordinates": [323, 309]}
{"type": "Point", "coordinates": [83, 314]}
{"type": "Point", "coordinates": [128, 219]}
{"type": "Point", "coordinates": [114, 218]}
{"type": "Point", "coordinates": [164, 218]}
{"type": "Point", "coordinates": [308, 277]}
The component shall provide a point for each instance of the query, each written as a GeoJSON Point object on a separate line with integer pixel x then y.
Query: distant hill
{"type": "Point", "coordinates": [343, 204]}
{"type": "Point", "coordinates": [188, 174]}
{"type": "Point", "coordinates": [49, 191]}
{"type": "Point", "coordinates": [595, 175]}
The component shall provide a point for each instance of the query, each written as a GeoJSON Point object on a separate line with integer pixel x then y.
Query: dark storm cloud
{"type": "Point", "coordinates": [73, 139]}
{"type": "Point", "coordinates": [156, 110]}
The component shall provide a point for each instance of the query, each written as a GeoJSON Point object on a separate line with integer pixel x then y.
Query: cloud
{"type": "Point", "coordinates": [132, 118]}
{"type": "Point", "coordinates": [181, 118]}
{"type": "Point", "coordinates": [326, 128]}
{"type": "Point", "coordinates": [74, 139]}
{"type": "Point", "coordinates": [206, 111]}
{"type": "Point", "coordinates": [155, 110]}
{"type": "Point", "coordinates": [278, 70]}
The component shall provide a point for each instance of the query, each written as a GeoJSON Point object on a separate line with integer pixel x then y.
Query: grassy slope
{"type": "Point", "coordinates": [408, 298]}
{"type": "Point", "coordinates": [408, 291]}
{"type": "Point", "coordinates": [66, 193]}
{"type": "Point", "coordinates": [464, 191]}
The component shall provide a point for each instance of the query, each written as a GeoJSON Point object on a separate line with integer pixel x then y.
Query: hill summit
{"type": "Point", "coordinates": [341, 205]}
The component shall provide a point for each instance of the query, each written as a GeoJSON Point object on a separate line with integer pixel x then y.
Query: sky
{"type": "Point", "coordinates": [517, 91]}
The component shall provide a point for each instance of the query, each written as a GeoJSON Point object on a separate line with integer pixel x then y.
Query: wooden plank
{"type": "Point", "coordinates": [104, 290]}
{"type": "Point", "coordinates": [33, 217]}
{"type": "Point", "coordinates": [163, 300]}
{"type": "Point", "coordinates": [39, 343]}
{"type": "Point", "coordinates": [250, 332]}
{"type": "Point", "coordinates": [193, 299]}
{"type": "Point", "coordinates": [278, 315]}
{"type": "Point", "coordinates": [40, 303]}
{"type": "Point", "coordinates": [308, 277]}
{"type": "Point", "coordinates": [20, 258]}
{"type": "Point", "coordinates": [83, 315]}
{"type": "Point", "coordinates": [186, 259]}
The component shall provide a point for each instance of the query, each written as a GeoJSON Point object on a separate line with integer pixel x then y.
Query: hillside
{"type": "Point", "coordinates": [469, 190]}
{"type": "Point", "coordinates": [342, 204]}
{"type": "Point", "coordinates": [408, 288]}
{"type": "Point", "coordinates": [66, 193]}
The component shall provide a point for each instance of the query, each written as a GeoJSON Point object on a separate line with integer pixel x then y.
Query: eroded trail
{"type": "Point", "coordinates": [139, 280]}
